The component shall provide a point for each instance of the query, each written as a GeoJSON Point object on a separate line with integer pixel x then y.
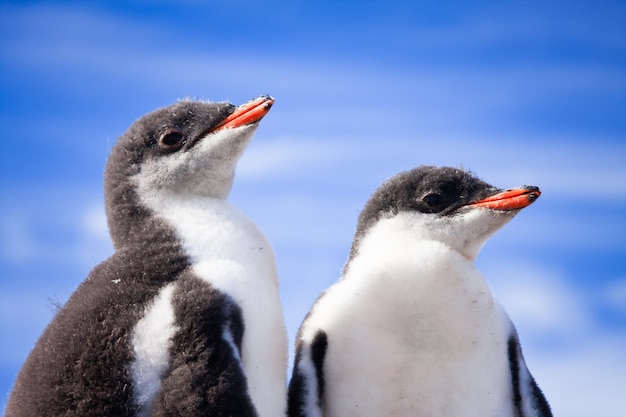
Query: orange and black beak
{"type": "Point", "coordinates": [248, 113]}
{"type": "Point", "coordinates": [513, 199]}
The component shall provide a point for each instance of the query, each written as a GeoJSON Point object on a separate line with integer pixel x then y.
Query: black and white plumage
{"type": "Point", "coordinates": [411, 328]}
{"type": "Point", "coordinates": [184, 319]}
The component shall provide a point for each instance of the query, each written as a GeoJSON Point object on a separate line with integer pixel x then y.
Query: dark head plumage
{"type": "Point", "coordinates": [174, 128]}
{"type": "Point", "coordinates": [187, 149]}
{"type": "Point", "coordinates": [442, 192]}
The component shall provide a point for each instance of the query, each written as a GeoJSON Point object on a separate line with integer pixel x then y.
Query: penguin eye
{"type": "Point", "coordinates": [434, 201]}
{"type": "Point", "coordinates": [172, 140]}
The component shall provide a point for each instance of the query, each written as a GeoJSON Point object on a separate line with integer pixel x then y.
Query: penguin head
{"type": "Point", "coordinates": [188, 149]}
{"type": "Point", "coordinates": [444, 204]}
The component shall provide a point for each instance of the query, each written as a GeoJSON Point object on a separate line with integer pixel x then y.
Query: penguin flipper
{"type": "Point", "coordinates": [528, 399]}
{"type": "Point", "coordinates": [306, 388]}
{"type": "Point", "coordinates": [206, 375]}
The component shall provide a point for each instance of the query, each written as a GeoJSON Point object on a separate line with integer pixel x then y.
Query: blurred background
{"type": "Point", "coordinates": [520, 92]}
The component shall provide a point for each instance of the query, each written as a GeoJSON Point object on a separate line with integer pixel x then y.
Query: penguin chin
{"type": "Point", "coordinates": [184, 182]}
{"type": "Point", "coordinates": [476, 226]}
{"type": "Point", "coordinates": [210, 170]}
{"type": "Point", "coordinates": [465, 231]}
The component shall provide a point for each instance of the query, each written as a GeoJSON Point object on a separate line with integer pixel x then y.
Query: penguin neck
{"type": "Point", "coordinates": [411, 276]}
{"type": "Point", "coordinates": [464, 233]}
{"type": "Point", "coordinates": [133, 226]}
{"type": "Point", "coordinates": [212, 230]}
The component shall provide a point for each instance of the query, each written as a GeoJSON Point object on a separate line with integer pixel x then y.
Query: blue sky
{"type": "Point", "coordinates": [519, 92]}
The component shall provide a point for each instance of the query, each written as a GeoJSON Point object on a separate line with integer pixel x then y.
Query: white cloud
{"type": "Point", "coordinates": [286, 157]}
{"type": "Point", "coordinates": [53, 224]}
{"type": "Point", "coordinates": [95, 222]}
{"type": "Point", "coordinates": [614, 295]}
{"type": "Point", "coordinates": [588, 380]}
{"type": "Point", "coordinates": [538, 298]}
{"type": "Point", "coordinates": [16, 240]}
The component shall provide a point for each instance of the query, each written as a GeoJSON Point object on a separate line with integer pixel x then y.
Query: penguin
{"type": "Point", "coordinates": [412, 328]}
{"type": "Point", "coordinates": [184, 319]}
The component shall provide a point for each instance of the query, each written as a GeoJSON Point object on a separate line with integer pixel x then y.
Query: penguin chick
{"type": "Point", "coordinates": [184, 319]}
{"type": "Point", "coordinates": [411, 328]}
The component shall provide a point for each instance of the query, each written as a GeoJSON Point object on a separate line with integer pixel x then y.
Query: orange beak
{"type": "Point", "coordinates": [514, 199]}
{"type": "Point", "coordinates": [248, 113]}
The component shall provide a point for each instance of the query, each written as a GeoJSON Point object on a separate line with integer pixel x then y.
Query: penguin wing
{"type": "Point", "coordinates": [528, 400]}
{"type": "Point", "coordinates": [205, 375]}
{"type": "Point", "coordinates": [306, 388]}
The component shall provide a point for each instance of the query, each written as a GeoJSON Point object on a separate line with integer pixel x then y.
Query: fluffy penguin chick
{"type": "Point", "coordinates": [412, 329]}
{"type": "Point", "coordinates": [184, 319]}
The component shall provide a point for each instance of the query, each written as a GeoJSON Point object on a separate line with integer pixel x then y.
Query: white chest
{"type": "Point", "coordinates": [413, 335]}
{"type": "Point", "coordinates": [231, 254]}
